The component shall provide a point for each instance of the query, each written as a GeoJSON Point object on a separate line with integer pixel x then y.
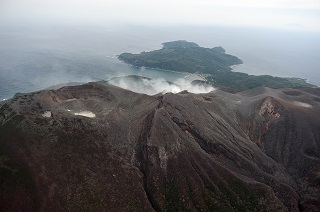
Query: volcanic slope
{"type": "Point", "coordinates": [98, 147]}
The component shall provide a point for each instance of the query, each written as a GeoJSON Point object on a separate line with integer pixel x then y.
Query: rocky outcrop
{"type": "Point", "coordinates": [250, 151]}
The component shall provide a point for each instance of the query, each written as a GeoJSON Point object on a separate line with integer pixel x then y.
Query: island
{"type": "Point", "coordinates": [213, 64]}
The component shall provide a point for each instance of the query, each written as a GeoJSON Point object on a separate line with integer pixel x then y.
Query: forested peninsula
{"type": "Point", "coordinates": [214, 64]}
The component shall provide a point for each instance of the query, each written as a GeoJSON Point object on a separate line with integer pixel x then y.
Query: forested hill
{"type": "Point", "coordinates": [184, 56]}
{"type": "Point", "coordinates": [214, 63]}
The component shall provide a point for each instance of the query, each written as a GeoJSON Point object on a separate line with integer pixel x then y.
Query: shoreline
{"type": "Point", "coordinates": [203, 77]}
{"type": "Point", "coordinates": [285, 77]}
{"type": "Point", "coordinates": [187, 74]}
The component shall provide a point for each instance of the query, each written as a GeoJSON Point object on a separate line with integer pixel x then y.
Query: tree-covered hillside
{"type": "Point", "coordinates": [214, 63]}
{"type": "Point", "coordinates": [183, 56]}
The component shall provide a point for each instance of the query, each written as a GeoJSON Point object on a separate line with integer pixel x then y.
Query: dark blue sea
{"type": "Point", "coordinates": [34, 58]}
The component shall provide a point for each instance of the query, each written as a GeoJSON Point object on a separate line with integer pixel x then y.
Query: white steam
{"type": "Point", "coordinates": [155, 86]}
{"type": "Point", "coordinates": [302, 104]}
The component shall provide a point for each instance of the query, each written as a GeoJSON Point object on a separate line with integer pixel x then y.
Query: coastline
{"type": "Point", "coordinates": [237, 80]}
{"type": "Point", "coordinates": [187, 74]}
{"type": "Point", "coordinates": [306, 80]}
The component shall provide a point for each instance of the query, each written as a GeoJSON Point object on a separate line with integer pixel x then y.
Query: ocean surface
{"type": "Point", "coordinates": [34, 58]}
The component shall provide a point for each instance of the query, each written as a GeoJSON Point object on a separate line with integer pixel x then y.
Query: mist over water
{"type": "Point", "coordinates": [34, 58]}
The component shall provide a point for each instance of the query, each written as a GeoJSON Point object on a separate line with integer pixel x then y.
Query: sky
{"type": "Point", "coordinates": [290, 14]}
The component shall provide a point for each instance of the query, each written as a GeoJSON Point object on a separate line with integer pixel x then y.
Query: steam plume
{"type": "Point", "coordinates": [154, 86]}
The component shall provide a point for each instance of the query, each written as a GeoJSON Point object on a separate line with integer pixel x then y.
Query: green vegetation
{"type": "Point", "coordinates": [179, 44]}
{"type": "Point", "coordinates": [236, 81]}
{"type": "Point", "coordinates": [183, 56]}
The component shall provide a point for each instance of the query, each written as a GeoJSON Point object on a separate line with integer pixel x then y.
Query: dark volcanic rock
{"type": "Point", "coordinates": [97, 147]}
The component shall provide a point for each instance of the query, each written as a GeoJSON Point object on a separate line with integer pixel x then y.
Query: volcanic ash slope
{"type": "Point", "coordinates": [98, 147]}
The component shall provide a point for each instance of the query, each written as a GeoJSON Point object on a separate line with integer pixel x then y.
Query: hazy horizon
{"type": "Point", "coordinates": [281, 14]}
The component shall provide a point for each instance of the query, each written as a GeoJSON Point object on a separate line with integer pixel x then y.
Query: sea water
{"type": "Point", "coordinates": [34, 58]}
